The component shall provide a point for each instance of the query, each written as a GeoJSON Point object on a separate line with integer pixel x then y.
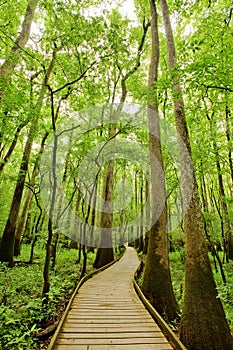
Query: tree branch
{"type": "Point", "coordinates": [76, 80]}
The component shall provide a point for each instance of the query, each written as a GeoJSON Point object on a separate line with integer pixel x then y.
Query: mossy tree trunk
{"type": "Point", "coordinates": [157, 285]}
{"type": "Point", "coordinates": [105, 252]}
{"type": "Point", "coordinates": [203, 325]}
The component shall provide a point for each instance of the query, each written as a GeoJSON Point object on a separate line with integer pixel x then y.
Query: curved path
{"type": "Point", "coordinates": [107, 314]}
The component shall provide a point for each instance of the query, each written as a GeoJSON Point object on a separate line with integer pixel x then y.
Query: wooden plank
{"type": "Point", "coordinates": [106, 322]}
{"type": "Point", "coordinates": [89, 341]}
{"type": "Point", "coordinates": [112, 335]}
{"type": "Point", "coordinates": [113, 317]}
{"type": "Point", "coordinates": [104, 306]}
{"type": "Point", "coordinates": [106, 314]}
{"type": "Point", "coordinates": [111, 328]}
{"type": "Point", "coordinates": [115, 347]}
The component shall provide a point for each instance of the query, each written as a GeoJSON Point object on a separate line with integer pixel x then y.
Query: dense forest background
{"type": "Point", "coordinates": [76, 80]}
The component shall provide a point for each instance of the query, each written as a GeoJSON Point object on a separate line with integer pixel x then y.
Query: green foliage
{"type": "Point", "coordinates": [21, 315]}
{"type": "Point", "coordinates": [225, 292]}
{"type": "Point", "coordinates": [83, 34]}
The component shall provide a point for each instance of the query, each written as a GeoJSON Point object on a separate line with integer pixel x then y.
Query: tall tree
{"type": "Point", "coordinates": [12, 60]}
{"type": "Point", "coordinates": [157, 285]}
{"type": "Point", "coordinates": [204, 324]}
{"type": "Point", "coordinates": [28, 197]}
{"type": "Point", "coordinates": [105, 255]}
{"type": "Point", "coordinates": [8, 237]}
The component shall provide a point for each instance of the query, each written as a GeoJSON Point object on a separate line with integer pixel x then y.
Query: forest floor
{"type": "Point", "coordinates": [22, 320]}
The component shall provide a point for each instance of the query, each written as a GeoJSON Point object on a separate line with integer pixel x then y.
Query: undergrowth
{"type": "Point", "coordinates": [177, 268]}
{"type": "Point", "coordinates": [21, 315]}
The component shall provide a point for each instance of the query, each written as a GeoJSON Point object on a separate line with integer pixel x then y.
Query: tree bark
{"type": "Point", "coordinates": [12, 147]}
{"type": "Point", "coordinates": [28, 197]}
{"type": "Point", "coordinates": [228, 117]}
{"type": "Point", "coordinates": [225, 220]}
{"type": "Point", "coordinates": [157, 285]}
{"type": "Point", "coordinates": [8, 238]}
{"type": "Point", "coordinates": [13, 59]}
{"type": "Point", "coordinates": [105, 252]}
{"type": "Point", "coordinates": [203, 324]}
{"type": "Point", "coordinates": [147, 195]}
{"type": "Point", "coordinates": [46, 284]}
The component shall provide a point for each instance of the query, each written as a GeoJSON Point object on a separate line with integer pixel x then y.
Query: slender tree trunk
{"type": "Point", "coordinates": [12, 147]}
{"type": "Point", "coordinates": [122, 213]}
{"type": "Point", "coordinates": [90, 247]}
{"type": "Point", "coordinates": [10, 63]}
{"type": "Point", "coordinates": [8, 238]}
{"type": "Point", "coordinates": [46, 285]}
{"type": "Point", "coordinates": [80, 245]}
{"type": "Point", "coordinates": [228, 239]}
{"type": "Point", "coordinates": [228, 117]}
{"type": "Point", "coordinates": [37, 228]}
{"type": "Point", "coordinates": [226, 224]}
{"type": "Point", "coordinates": [141, 240]}
{"type": "Point", "coordinates": [136, 241]}
{"type": "Point", "coordinates": [28, 197]}
{"type": "Point", "coordinates": [147, 195]}
{"type": "Point", "coordinates": [157, 285]}
{"type": "Point", "coordinates": [58, 217]}
{"type": "Point", "coordinates": [204, 324]}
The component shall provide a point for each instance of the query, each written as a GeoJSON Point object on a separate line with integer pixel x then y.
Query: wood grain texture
{"type": "Point", "coordinates": [106, 313]}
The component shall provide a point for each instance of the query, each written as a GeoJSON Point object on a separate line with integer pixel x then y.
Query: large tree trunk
{"type": "Point", "coordinates": [204, 324]}
{"type": "Point", "coordinates": [157, 285]}
{"type": "Point", "coordinates": [13, 59]}
{"type": "Point", "coordinates": [8, 238]}
{"type": "Point", "coordinates": [105, 255]}
{"type": "Point", "coordinates": [105, 251]}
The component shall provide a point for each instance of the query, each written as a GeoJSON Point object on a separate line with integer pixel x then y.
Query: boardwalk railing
{"type": "Point", "coordinates": [105, 313]}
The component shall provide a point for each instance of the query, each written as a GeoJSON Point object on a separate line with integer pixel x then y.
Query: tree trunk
{"type": "Point", "coordinates": [147, 195]}
{"type": "Point", "coordinates": [105, 252]}
{"type": "Point", "coordinates": [10, 63]}
{"type": "Point", "coordinates": [90, 247]}
{"type": "Point", "coordinates": [8, 238]}
{"type": "Point", "coordinates": [136, 241]}
{"type": "Point", "coordinates": [225, 221]}
{"type": "Point", "coordinates": [157, 285]}
{"type": "Point", "coordinates": [227, 224]}
{"type": "Point", "coordinates": [228, 117]}
{"type": "Point", "coordinates": [37, 228]}
{"type": "Point", "coordinates": [12, 147]}
{"type": "Point", "coordinates": [204, 324]}
{"type": "Point", "coordinates": [141, 240]}
{"type": "Point", "coordinates": [46, 285]}
{"type": "Point", "coordinates": [29, 194]}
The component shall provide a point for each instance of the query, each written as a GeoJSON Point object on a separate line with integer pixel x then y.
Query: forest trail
{"type": "Point", "coordinates": [106, 313]}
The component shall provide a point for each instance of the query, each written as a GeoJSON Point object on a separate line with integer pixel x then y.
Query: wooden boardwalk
{"type": "Point", "coordinates": [106, 313]}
